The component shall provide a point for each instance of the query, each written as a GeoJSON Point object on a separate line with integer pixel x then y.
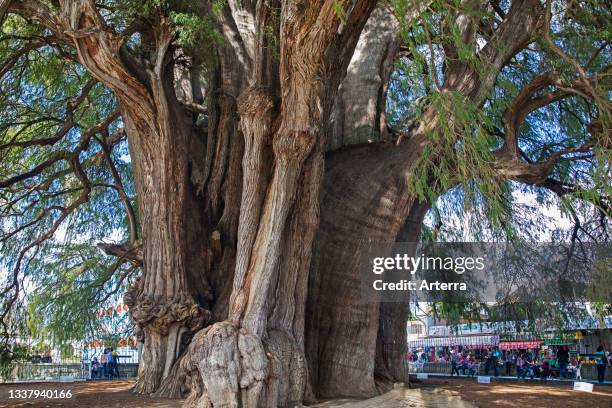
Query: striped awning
{"type": "Point", "coordinates": [472, 341]}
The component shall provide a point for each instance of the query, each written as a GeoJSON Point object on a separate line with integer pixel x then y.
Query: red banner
{"type": "Point", "coordinates": [514, 345]}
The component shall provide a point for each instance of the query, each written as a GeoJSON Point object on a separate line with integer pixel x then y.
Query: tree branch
{"type": "Point", "coordinates": [121, 190]}
{"type": "Point", "coordinates": [581, 72]}
{"type": "Point", "coordinates": [4, 5]}
{"type": "Point", "coordinates": [129, 251]}
{"type": "Point", "coordinates": [71, 106]}
{"type": "Point", "coordinates": [39, 12]}
{"type": "Point", "coordinates": [193, 106]}
{"type": "Point", "coordinates": [11, 61]}
{"type": "Point", "coordinates": [13, 287]}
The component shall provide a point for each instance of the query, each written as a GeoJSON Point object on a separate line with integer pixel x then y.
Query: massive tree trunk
{"type": "Point", "coordinates": [256, 357]}
{"type": "Point", "coordinates": [366, 198]}
{"type": "Point", "coordinates": [230, 306]}
{"type": "Point", "coordinates": [344, 331]}
{"type": "Point", "coordinates": [181, 232]}
{"type": "Point", "coordinates": [351, 344]}
{"type": "Point", "coordinates": [163, 304]}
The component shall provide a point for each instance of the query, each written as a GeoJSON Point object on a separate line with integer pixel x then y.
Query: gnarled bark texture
{"type": "Point", "coordinates": [256, 356]}
{"type": "Point", "coordinates": [253, 220]}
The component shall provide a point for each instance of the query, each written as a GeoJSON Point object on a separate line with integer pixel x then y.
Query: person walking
{"type": "Point", "coordinates": [602, 361]}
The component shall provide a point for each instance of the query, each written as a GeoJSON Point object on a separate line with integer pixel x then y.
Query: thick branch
{"type": "Point", "coordinates": [39, 12]}
{"type": "Point", "coordinates": [129, 251]}
{"type": "Point", "coordinates": [193, 106]}
{"type": "Point", "coordinates": [512, 36]}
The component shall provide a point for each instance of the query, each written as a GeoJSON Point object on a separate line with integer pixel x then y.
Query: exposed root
{"type": "Point", "coordinates": [177, 384]}
{"type": "Point", "coordinates": [232, 364]}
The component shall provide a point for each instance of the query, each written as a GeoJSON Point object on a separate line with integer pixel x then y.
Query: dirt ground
{"type": "Point", "coordinates": [117, 394]}
{"type": "Point", "coordinates": [102, 394]}
{"type": "Point", "coordinates": [523, 394]}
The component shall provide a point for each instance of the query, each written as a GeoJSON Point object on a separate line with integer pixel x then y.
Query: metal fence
{"type": "Point", "coordinates": [587, 371]}
{"type": "Point", "coordinates": [39, 372]}
{"type": "Point", "coordinates": [61, 372]}
{"type": "Point", "coordinates": [77, 366]}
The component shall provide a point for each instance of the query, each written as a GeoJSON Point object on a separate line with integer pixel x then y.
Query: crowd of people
{"type": "Point", "coordinates": [530, 363]}
{"type": "Point", "coordinates": [45, 358]}
{"type": "Point", "coordinates": [107, 366]}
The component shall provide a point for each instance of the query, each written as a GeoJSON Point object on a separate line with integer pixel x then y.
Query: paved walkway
{"type": "Point", "coordinates": [403, 398]}
{"type": "Point", "coordinates": [513, 378]}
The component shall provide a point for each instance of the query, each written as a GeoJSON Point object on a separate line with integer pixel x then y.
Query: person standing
{"type": "Point", "coordinates": [116, 362]}
{"type": "Point", "coordinates": [496, 361]}
{"type": "Point", "coordinates": [562, 361]}
{"type": "Point", "coordinates": [454, 359]}
{"type": "Point", "coordinates": [112, 363]}
{"type": "Point", "coordinates": [520, 365]}
{"type": "Point", "coordinates": [474, 367]}
{"type": "Point", "coordinates": [488, 361]}
{"type": "Point", "coordinates": [578, 374]}
{"type": "Point", "coordinates": [529, 367]}
{"type": "Point", "coordinates": [508, 357]}
{"type": "Point", "coordinates": [545, 369]}
{"type": "Point", "coordinates": [104, 364]}
{"type": "Point", "coordinates": [95, 368]}
{"type": "Point", "coordinates": [109, 358]}
{"type": "Point", "coordinates": [529, 356]}
{"type": "Point", "coordinates": [526, 366]}
{"type": "Point", "coordinates": [602, 361]}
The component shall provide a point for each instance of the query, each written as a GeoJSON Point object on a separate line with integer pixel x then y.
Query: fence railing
{"type": "Point", "coordinates": [587, 371]}
{"type": "Point", "coordinates": [54, 372]}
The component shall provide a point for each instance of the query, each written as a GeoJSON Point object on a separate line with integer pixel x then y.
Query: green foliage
{"type": "Point", "coordinates": [65, 305]}
{"type": "Point", "coordinates": [65, 276]}
{"type": "Point", "coordinates": [457, 171]}
{"type": "Point", "coordinates": [339, 12]}
{"type": "Point", "coordinates": [194, 30]}
{"type": "Point", "coordinates": [459, 153]}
